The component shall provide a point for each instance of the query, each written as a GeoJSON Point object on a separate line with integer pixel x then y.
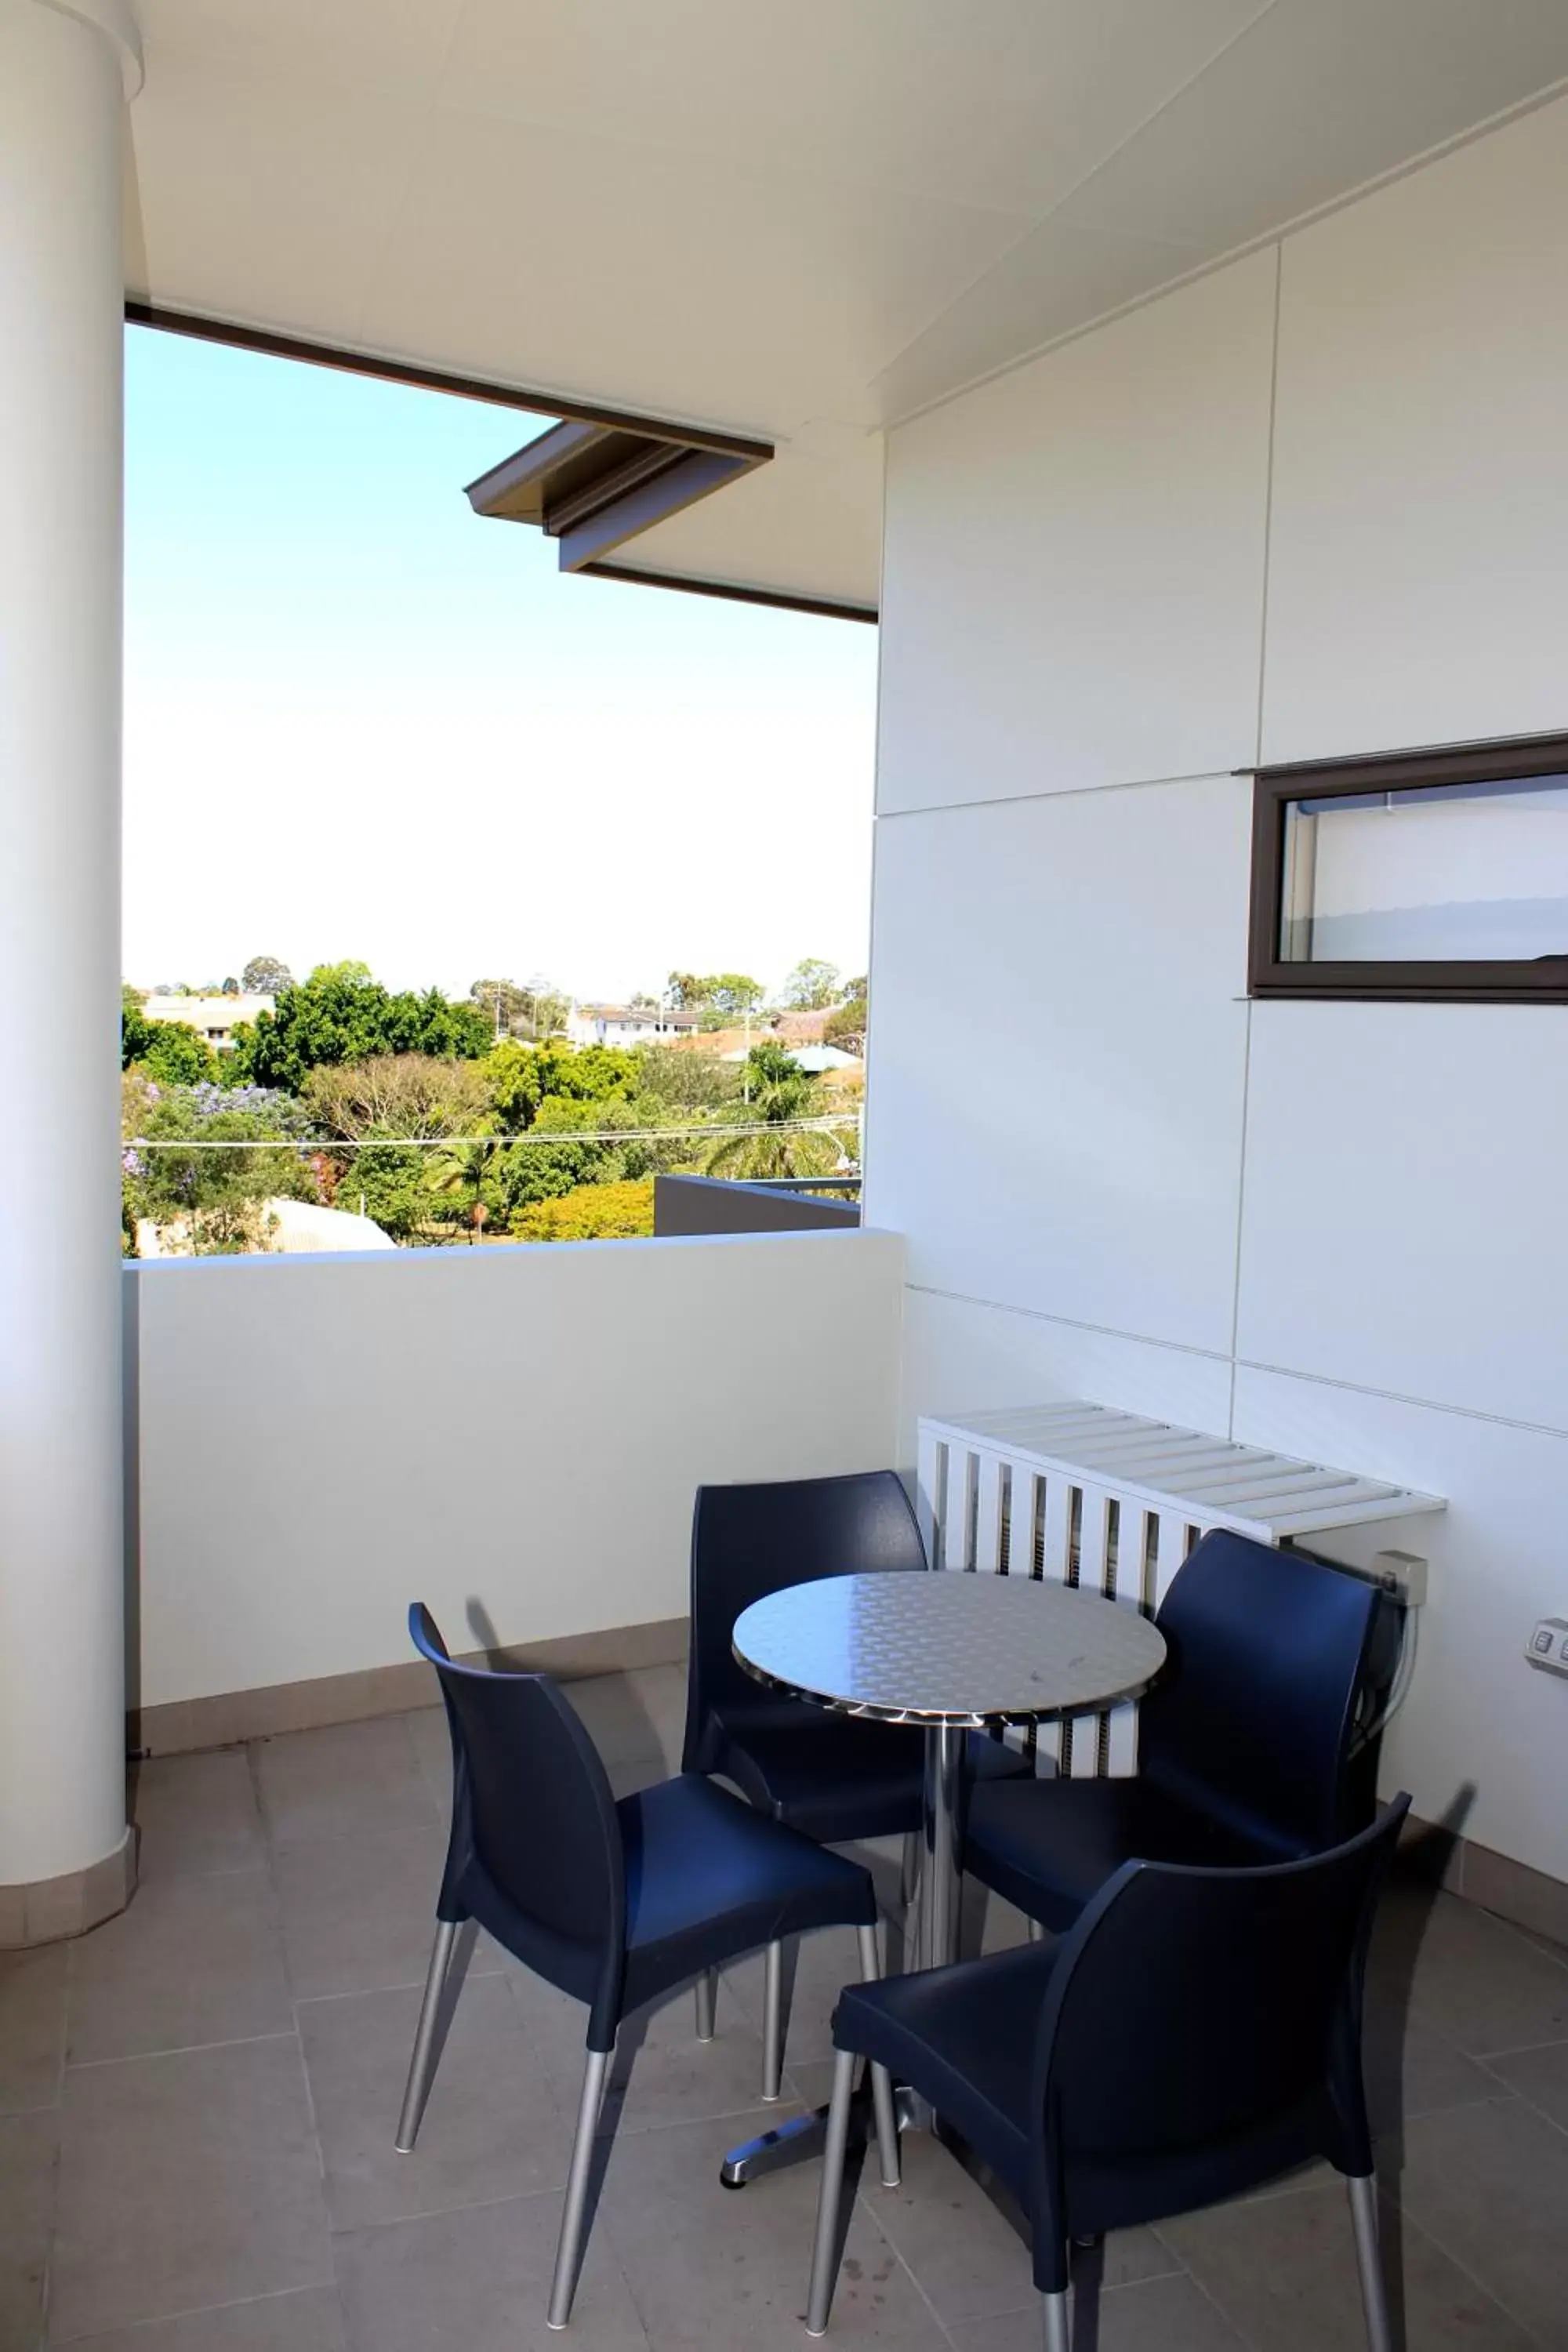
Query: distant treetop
{"type": "Point", "coordinates": [265, 976]}
{"type": "Point", "coordinates": [812, 986]}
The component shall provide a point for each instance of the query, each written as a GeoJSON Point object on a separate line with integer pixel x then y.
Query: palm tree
{"type": "Point", "coordinates": [779, 1094]}
{"type": "Point", "coordinates": [455, 1166]}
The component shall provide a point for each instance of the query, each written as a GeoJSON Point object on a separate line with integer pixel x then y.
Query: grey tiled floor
{"type": "Point", "coordinates": [196, 2105]}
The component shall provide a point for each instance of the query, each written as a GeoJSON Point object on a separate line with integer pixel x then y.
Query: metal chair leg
{"type": "Point", "coordinates": [422, 2066]}
{"type": "Point", "coordinates": [1036, 1933]}
{"type": "Point", "coordinates": [882, 2080]}
{"type": "Point", "coordinates": [1369, 2262]}
{"type": "Point", "coordinates": [707, 2003]}
{"type": "Point", "coordinates": [825, 2251]}
{"type": "Point", "coordinates": [569, 2251]}
{"type": "Point", "coordinates": [1059, 2336]}
{"type": "Point", "coordinates": [773, 2023]}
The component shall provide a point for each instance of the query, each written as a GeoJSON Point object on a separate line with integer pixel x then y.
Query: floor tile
{"type": "Point", "coordinates": [31, 2028]}
{"type": "Point", "coordinates": [662, 2074]}
{"type": "Point", "coordinates": [1283, 2271]}
{"type": "Point", "coordinates": [309, 2320]}
{"type": "Point", "coordinates": [1491, 2185]}
{"type": "Point", "coordinates": [1539, 2075]}
{"type": "Point", "coordinates": [708, 2267]}
{"type": "Point", "coordinates": [478, 2281]}
{"type": "Point", "coordinates": [349, 1781]}
{"type": "Point", "coordinates": [432, 1745]}
{"type": "Point", "coordinates": [492, 2128]}
{"type": "Point", "coordinates": [816, 1969]}
{"type": "Point", "coordinates": [967, 2254]}
{"type": "Point", "coordinates": [192, 1960]}
{"type": "Point", "coordinates": [186, 2181]}
{"type": "Point", "coordinates": [359, 1912]}
{"type": "Point", "coordinates": [1162, 2315]}
{"type": "Point", "coordinates": [28, 2151]}
{"type": "Point", "coordinates": [1415, 2072]}
{"type": "Point", "coordinates": [1477, 1983]}
{"type": "Point", "coordinates": [196, 1814]}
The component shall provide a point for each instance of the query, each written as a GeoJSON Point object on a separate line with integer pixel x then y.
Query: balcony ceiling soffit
{"type": "Point", "coordinates": [792, 220]}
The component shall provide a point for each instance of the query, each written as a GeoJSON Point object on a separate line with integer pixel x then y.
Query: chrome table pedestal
{"type": "Point", "coordinates": [952, 1653]}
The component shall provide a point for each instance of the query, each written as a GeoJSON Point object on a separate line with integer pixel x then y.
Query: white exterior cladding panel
{"type": "Point", "coordinates": [1322, 1229]}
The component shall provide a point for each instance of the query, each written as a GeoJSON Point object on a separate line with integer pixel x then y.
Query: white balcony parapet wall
{"type": "Point", "coordinates": [513, 1435]}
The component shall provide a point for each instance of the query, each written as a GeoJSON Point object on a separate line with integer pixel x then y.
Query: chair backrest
{"type": "Point", "coordinates": [1253, 1718]}
{"type": "Point", "coordinates": [1202, 2032]}
{"type": "Point", "coordinates": [749, 1540]}
{"type": "Point", "coordinates": [535, 1848]}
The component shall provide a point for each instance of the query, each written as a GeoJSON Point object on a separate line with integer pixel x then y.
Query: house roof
{"type": "Point", "coordinates": [648, 1016]}
{"type": "Point", "coordinates": [791, 222]}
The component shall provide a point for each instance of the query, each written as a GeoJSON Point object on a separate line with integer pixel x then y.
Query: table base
{"type": "Point", "coordinates": [805, 2137]}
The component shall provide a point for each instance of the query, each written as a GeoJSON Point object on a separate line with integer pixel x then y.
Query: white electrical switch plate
{"type": "Point", "coordinates": [1547, 1644]}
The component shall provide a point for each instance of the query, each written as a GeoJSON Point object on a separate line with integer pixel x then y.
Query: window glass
{"type": "Point", "coordinates": [1436, 873]}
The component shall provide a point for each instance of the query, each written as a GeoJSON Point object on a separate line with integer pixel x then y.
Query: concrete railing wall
{"type": "Point", "coordinates": [511, 1435]}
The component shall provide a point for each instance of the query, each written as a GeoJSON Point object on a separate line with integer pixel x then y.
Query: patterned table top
{"type": "Point", "coordinates": [948, 1647]}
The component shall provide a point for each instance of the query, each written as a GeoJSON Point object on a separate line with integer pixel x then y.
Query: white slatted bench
{"type": "Point", "coordinates": [1110, 1500]}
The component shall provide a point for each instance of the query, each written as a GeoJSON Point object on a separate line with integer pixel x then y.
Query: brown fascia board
{"type": "Point", "coordinates": [734, 592]}
{"type": "Point", "coordinates": [593, 487]}
{"type": "Point", "coordinates": [588, 425]}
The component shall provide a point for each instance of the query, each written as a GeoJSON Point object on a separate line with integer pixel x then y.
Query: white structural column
{"type": "Point", "coordinates": [64, 74]}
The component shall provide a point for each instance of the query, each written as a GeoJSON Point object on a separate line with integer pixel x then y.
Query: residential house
{"type": "Point", "coordinates": [215, 1018]}
{"type": "Point", "coordinates": [627, 1025]}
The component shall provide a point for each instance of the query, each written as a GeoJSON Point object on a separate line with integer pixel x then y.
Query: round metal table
{"type": "Point", "coordinates": [954, 1652]}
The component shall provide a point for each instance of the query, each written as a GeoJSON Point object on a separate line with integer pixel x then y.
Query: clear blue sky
{"type": "Point", "coordinates": [360, 721]}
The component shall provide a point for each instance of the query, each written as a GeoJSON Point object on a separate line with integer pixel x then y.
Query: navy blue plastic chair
{"type": "Point", "coordinates": [1197, 2033]}
{"type": "Point", "coordinates": [614, 1902]}
{"type": "Point", "coordinates": [1247, 1743]}
{"type": "Point", "coordinates": [826, 1775]}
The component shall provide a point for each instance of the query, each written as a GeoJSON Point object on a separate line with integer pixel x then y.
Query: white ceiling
{"type": "Point", "coordinates": [800, 219]}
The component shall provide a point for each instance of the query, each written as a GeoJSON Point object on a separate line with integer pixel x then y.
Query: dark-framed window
{"type": "Point", "coordinates": [1436, 875]}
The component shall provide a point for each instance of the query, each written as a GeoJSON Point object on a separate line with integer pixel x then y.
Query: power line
{"type": "Point", "coordinates": [826, 1125]}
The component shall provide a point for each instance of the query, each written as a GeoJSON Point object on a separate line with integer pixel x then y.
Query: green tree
{"type": "Point", "coordinates": [846, 1025]}
{"type": "Point", "coordinates": [265, 976]}
{"type": "Point", "coordinates": [672, 1078]}
{"type": "Point", "coordinates": [171, 1175]}
{"type": "Point", "coordinates": [389, 1185]}
{"type": "Point", "coordinates": [341, 1014]}
{"type": "Point", "coordinates": [618, 1212]}
{"type": "Point", "coordinates": [509, 1008]}
{"type": "Point", "coordinates": [811, 986]}
{"type": "Point", "coordinates": [521, 1078]}
{"type": "Point", "coordinates": [779, 1092]}
{"type": "Point", "coordinates": [455, 1174]}
{"type": "Point", "coordinates": [721, 997]}
{"type": "Point", "coordinates": [175, 1055]}
{"type": "Point", "coordinates": [135, 1029]}
{"type": "Point", "coordinates": [397, 1095]}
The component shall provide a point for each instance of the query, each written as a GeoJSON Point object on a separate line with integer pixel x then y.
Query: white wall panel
{"type": "Point", "coordinates": [1074, 598]}
{"type": "Point", "coordinates": [1404, 1214]}
{"type": "Point", "coordinates": [1418, 553]}
{"type": "Point", "coordinates": [324, 1439]}
{"type": "Point", "coordinates": [1478, 1717]}
{"type": "Point", "coordinates": [964, 1356]}
{"type": "Point", "coordinates": [1074, 558]}
{"type": "Point", "coordinates": [1057, 1053]}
